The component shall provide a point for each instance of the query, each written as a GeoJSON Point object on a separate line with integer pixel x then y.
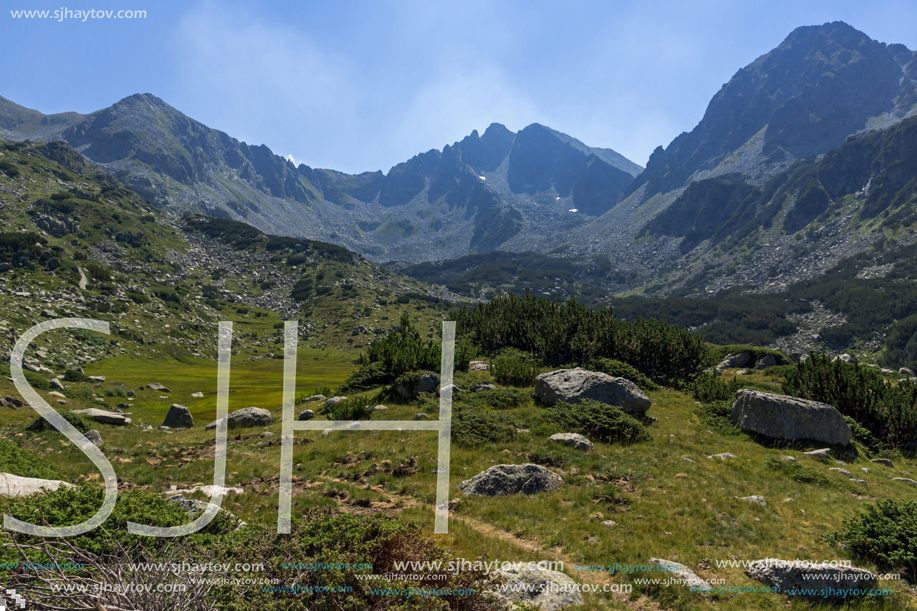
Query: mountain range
{"type": "Point", "coordinates": [802, 159]}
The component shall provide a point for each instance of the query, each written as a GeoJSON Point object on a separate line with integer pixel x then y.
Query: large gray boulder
{"type": "Point", "coordinates": [501, 480]}
{"type": "Point", "coordinates": [13, 485]}
{"type": "Point", "coordinates": [536, 587]}
{"type": "Point", "coordinates": [824, 582]}
{"type": "Point", "coordinates": [785, 417]}
{"type": "Point", "coordinates": [249, 416]}
{"type": "Point", "coordinates": [103, 417]}
{"type": "Point", "coordinates": [575, 385]}
{"type": "Point", "coordinates": [410, 386]}
{"type": "Point", "coordinates": [178, 417]}
{"type": "Point", "coordinates": [736, 361]}
{"type": "Point", "coordinates": [767, 361]}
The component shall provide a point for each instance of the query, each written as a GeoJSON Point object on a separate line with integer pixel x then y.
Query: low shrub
{"type": "Point", "coordinates": [357, 408]}
{"type": "Point", "coordinates": [708, 387]}
{"type": "Point", "coordinates": [343, 539]}
{"type": "Point", "coordinates": [512, 371]}
{"type": "Point", "coordinates": [884, 533]}
{"type": "Point", "coordinates": [116, 390]}
{"type": "Point", "coordinates": [715, 416]}
{"type": "Point", "coordinates": [795, 471]}
{"type": "Point", "coordinates": [619, 369]}
{"type": "Point", "coordinates": [498, 398]}
{"type": "Point", "coordinates": [72, 375]}
{"type": "Point", "coordinates": [598, 422]}
{"type": "Point", "coordinates": [472, 429]}
{"type": "Point", "coordinates": [17, 461]}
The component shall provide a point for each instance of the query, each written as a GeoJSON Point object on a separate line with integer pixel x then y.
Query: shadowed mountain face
{"type": "Point", "coordinates": [820, 85]}
{"type": "Point", "coordinates": [450, 202]}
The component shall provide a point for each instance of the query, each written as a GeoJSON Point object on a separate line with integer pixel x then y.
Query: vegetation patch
{"type": "Point", "coordinates": [598, 422]}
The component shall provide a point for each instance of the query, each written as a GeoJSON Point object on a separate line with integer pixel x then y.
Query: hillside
{"type": "Point", "coordinates": [473, 196]}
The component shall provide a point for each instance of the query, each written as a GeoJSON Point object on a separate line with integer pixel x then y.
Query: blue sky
{"type": "Point", "coordinates": [361, 86]}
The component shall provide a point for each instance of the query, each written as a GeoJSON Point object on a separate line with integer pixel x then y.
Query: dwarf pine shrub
{"type": "Point", "coordinates": [568, 331]}
{"type": "Point", "coordinates": [887, 411]}
{"type": "Point", "coordinates": [884, 533]}
{"type": "Point", "coordinates": [598, 422]}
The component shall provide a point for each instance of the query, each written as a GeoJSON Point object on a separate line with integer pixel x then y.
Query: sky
{"type": "Point", "coordinates": [363, 85]}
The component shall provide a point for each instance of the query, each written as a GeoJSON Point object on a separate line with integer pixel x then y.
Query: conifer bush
{"type": "Point", "coordinates": [888, 412]}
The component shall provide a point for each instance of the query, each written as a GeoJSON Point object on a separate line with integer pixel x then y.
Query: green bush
{"type": "Point", "coordinates": [885, 533]}
{"type": "Point", "coordinates": [472, 428]}
{"type": "Point", "coordinates": [98, 272]}
{"type": "Point", "coordinates": [17, 461]}
{"type": "Point", "coordinates": [69, 506]}
{"type": "Point", "coordinates": [138, 297]}
{"type": "Point", "coordinates": [795, 471]}
{"type": "Point", "coordinates": [78, 421]}
{"type": "Point", "coordinates": [512, 371]}
{"type": "Point", "coordinates": [618, 369]}
{"type": "Point", "coordinates": [116, 390]}
{"type": "Point", "coordinates": [342, 539]}
{"type": "Point", "coordinates": [401, 352]}
{"type": "Point", "coordinates": [497, 398]}
{"type": "Point", "coordinates": [72, 375]}
{"type": "Point", "coordinates": [708, 387]}
{"type": "Point", "coordinates": [598, 422]}
{"type": "Point", "coordinates": [564, 332]}
{"type": "Point", "coordinates": [888, 412]}
{"type": "Point", "coordinates": [715, 415]}
{"type": "Point", "coordinates": [358, 408]}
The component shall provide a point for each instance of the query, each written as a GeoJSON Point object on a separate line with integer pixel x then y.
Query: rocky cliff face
{"type": "Point", "coordinates": [473, 196]}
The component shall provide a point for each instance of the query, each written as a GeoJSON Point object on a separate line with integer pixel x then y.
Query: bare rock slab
{"type": "Point", "coordinates": [501, 480]}
{"type": "Point", "coordinates": [178, 416]}
{"type": "Point", "coordinates": [785, 417]}
{"type": "Point", "coordinates": [103, 417]}
{"type": "Point", "coordinates": [13, 485]}
{"type": "Point", "coordinates": [824, 582]}
{"type": "Point", "coordinates": [538, 588]}
{"type": "Point", "coordinates": [574, 385]}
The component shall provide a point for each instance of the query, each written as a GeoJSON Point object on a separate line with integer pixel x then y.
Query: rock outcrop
{"type": "Point", "coordinates": [501, 480]}
{"type": "Point", "coordinates": [575, 385]}
{"type": "Point", "coordinates": [785, 417]}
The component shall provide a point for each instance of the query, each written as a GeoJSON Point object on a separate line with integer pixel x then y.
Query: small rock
{"type": "Point", "coordinates": [687, 578]}
{"type": "Point", "coordinates": [197, 395]}
{"type": "Point", "coordinates": [157, 386]}
{"type": "Point", "coordinates": [843, 472]}
{"type": "Point", "coordinates": [755, 498]}
{"type": "Point", "coordinates": [573, 439]}
{"type": "Point", "coordinates": [482, 386]}
{"type": "Point", "coordinates": [306, 414]}
{"type": "Point", "coordinates": [789, 459]}
{"type": "Point", "coordinates": [56, 384]}
{"type": "Point", "coordinates": [95, 437]}
{"type": "Point", "coordinates": [380, 408]}
{"type": "Point", "coordinates": [723, 456]}
{"type": "Point", "coordinates": [316, 398]}
{"type": "Point", "coordinates": [421, 416]}
{"type": "Point", "coordinates": [822, 453]}
{"type": "Point", "coordinates": [905, 480]}
{"type": "Point", "coordinates": [883, 461]}
{"type": "Point", "coordinates": [334, 400]}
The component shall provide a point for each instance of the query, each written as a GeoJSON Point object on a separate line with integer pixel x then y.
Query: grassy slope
{"type": "Point", "coordinates": [677, 510]}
